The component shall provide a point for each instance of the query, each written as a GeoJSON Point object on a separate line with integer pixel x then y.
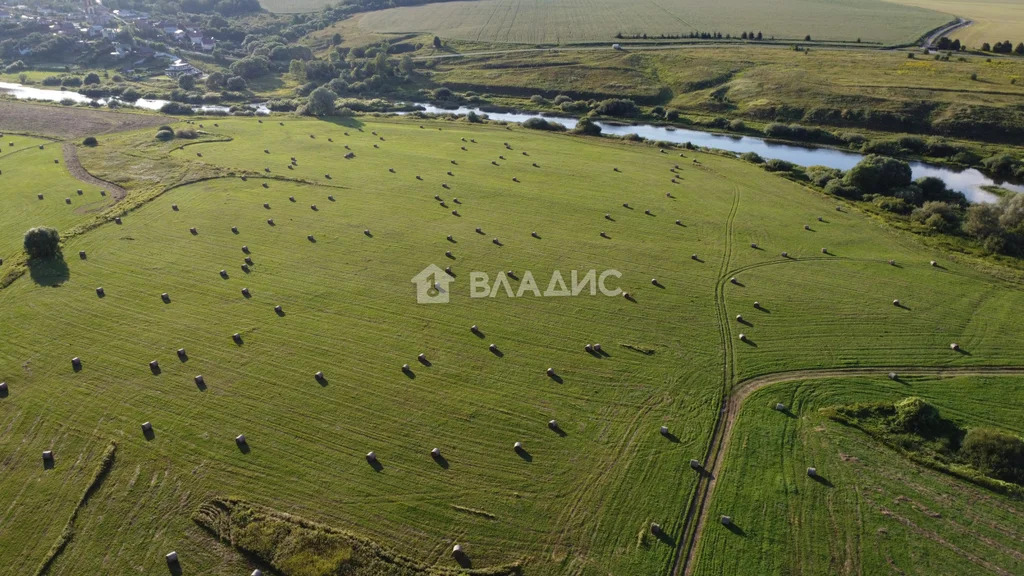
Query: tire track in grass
{"type": "Point", "coordinates": [75, 168]}
{"type": "Point", "coordinates": [692, 521]}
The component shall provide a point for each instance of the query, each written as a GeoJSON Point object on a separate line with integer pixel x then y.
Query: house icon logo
{"type": "Point", "coordinates": [432, 285]}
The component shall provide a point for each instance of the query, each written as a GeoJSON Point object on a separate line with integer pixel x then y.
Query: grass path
{"type": "Point", "coordinates": [731, 409]}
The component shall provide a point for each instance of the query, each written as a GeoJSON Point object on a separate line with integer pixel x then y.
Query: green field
{"type": "Point", "coordinates": [27, 171]}
{"type": "Point", "coordinates": [570, 21]}
{"type": "Point", "coordinates": [579, 502]}
{"type": "Point", "coordinates": [873, 511]}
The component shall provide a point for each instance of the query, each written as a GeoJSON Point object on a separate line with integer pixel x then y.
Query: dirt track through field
{"type": "Point", "coordinates": [75, 168]}
{"type": "Point", "coordinates": [731, 409]}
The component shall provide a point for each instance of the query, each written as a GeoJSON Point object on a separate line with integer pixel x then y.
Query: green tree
{"type": "Point", "coordinates": [878, 175]}
{"type": "Point", "coordinates": [297, 69]}
{"type": "Point", "coordinates": [237, 84]}
{"type": "Point", "coordinates": [437, 42]}
{"type": "Point", "coordinates": [187, 82]}
{"type": "Point", "coordinates": [42, 242]}
{"type": "Point", "coordinates": [91, 78]}
{"type": "Point", "coordinates": [406, 65]}
{"type": "Point", "coordinates": [215, 81]}
{"type": "Point", "coordinates": [320, 102]}
{"type": "Point", "coordinates": [336, 39]}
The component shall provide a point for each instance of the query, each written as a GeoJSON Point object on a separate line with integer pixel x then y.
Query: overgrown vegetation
{"type": "Point", "coordinates": [298, 547]}
{"type": "Point", "coordinates": [915, 427]}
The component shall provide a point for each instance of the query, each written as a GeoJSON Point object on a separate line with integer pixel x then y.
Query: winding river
{"type": "Point", "coordinates": [970, 181]}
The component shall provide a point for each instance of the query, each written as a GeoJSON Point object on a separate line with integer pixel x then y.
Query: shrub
{"type": "Point", "coordinates": [42, 242]}
{"type": "Point", "coordinates": [90, 141]}
{"type": "Point", "coordinates": [878, 175]}
{"type": "Point", "coordinates": [176, 108]}
{"type": "Point", "coordinates": [237, 84]}
{"type": "Point", "coordinates": [51, 81]}
{"type": "Point", "coordinates": [542, 124]}
{"type": "Point", "coordinates": [561, 99]}
{"type": "Point", "coordinates": [130, 95]}
{"type": "Point", "coordinates": [577, 107]}
{"type": "Point", "coordinates": [894, 205]}
{"type": "Point", "coordinates": [914, 415]}
{"type": "Point", "coordinates": [841, 188]}
{"type": "Point", "coordinates": [16, 66]}
{"type": "Point", "coordinates": [939, 216]}
{"type": "Point", "coordinates": [1002, 165]}
{"type": "Point", "coordinates": [737, 126]}
{"type": "Point", "coordinates": [822, 175]}
{"type": "Point", "coordinates": [91, 78]}
{"type": "Point", "coordinates": [538, 99]}
{"type": "Point", "coordinates": [164, 135]}
{"type": "Point", "coordinates": [587, 127]}
{"type": "Point", "coordinates": [995, 453]}
{"type": "Point", "coordinates": [752, 157]}
{"type": "Point", "coordinates": [617, 107]}
{"type": "Point", "coordinates": [71, 81]}
{"type": "Point", "coordinates": [776, 165]}
{"type": "Point", "coordinates": [672, 115]}
{"type": "Point", "coordinates": [187, 133]}
{"type": "Point", "coordinates": [443, 94]}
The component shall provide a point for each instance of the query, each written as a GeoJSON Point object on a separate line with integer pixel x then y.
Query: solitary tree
{"type": "Point", "coordinates": [320, 102]}
{"type": "Point", "coordinates": [42, 242]}
{"type": "Point", "coordinates": [437, 42]}
{"type": "Point", "coordinates": [92, 78]}
{"type": "Point", "coordinates": [187, 82]}
{"type": "Point", "coordinates": [336, 39]}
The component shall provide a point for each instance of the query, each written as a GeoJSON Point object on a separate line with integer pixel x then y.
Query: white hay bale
{"type": "Point", "coordinates": [553, 424]}
{"type": "Point", "coordinates": [812, 472]}
{"type": "Point", "coordinates": [371, 456]}
{"type": "Point", "coordinates": [435, 452]}
{"type": "Point", "coordinates": [895, 302]}
{"type": "Point", "coordinates": [240, 439]}
{"type": "Point", "coordinates": [147, 427]}
{"type": "Point", "coordinates": [757, 304]}
{"type": "Point", "coordinates": [695, 464]}
{"type": "Point", "coordinates": [517, 446]}
{"type": "Point", "coordinates": [457, 550]}
{"type": "Point", "coordinates": [172, 557]}
{"type": "Point", "coordinates": [780, 407]}
{"type": "Point", "coordinates": [597, 348]}
{"type": "Point", "coordinates": [954, 346]}
{"type": "Point", "coordinates": [743, 336]}
{"type": "Point", "coordinates": [739, 318]}
{"type": "Point", "coordinates": [893, 376]}
{"type": "Point", "coordinates": [785, 254]}
{"type": "Point", "coordinates": [726, 521]}
{"type": "Point", "coordinates": [664, 430]}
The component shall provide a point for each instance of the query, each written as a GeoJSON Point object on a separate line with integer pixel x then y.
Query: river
{"type": "Point", "coordinates": [970, 182]}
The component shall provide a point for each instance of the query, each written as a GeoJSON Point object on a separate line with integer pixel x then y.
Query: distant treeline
{"type": "Point", "coordinates": [1004, 47]}
{"type": "Point", "coordinates": [692, 35]}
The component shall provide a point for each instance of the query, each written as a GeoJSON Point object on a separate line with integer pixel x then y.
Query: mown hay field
{"type": "Point", "coordinates": [577, 499]}
{"type": "Point", "coordinates": [569, 21]}
{"type": "Point", "coordinates": [871, 509]}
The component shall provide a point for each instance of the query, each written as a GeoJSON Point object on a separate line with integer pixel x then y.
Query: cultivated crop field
{"type": "Point", "coordinates": [570, 21]}
{"type": "Point", "coordinates": [991, 20]}
{"type": "Point", "coordinates": [335, 243]}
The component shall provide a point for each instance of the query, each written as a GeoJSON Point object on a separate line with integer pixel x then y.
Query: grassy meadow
{"type": "Point", "coordinates": [578, 500]}
{"type": "Point", "coordinates": [871, 511]}
{"type": "Point", "coordinates": [572, 21]}
{"type": "Point", "coordinates": [27, 171]}
{"type": "Point", "coordinates": [759, 83]}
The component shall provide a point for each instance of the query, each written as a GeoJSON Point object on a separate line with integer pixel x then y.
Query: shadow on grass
{"type": "Point", "coordinates": [50, 271]}
{"type": "Point", "coordinates": [821, 480]}
{"type": "Point", "coordinates": [441, 461]}
{"type": "Point", "coordinates": [463, 560]}
{"type": "Point", "coordinates": [732, 527]}
{"type": "Point", "coordinates": [665, 537]}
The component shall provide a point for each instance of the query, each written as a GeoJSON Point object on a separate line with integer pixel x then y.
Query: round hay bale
{"type": "Point", "coordinates": [311, 238]}
{"type": "Point", "coordinates": [934, 263]}
{"type": "Point", "coordinates": [785, 254]}
{"type": "Point", "coordinates": [806, 227]}
{"type": "Point", "coordinates": [76, 363]}
{"type": "Point", "coordinates": [757, 304]}
{"type": "Point", "coordinates": [892, 262]}
{"type": "Point", "coordinates": [236, 337]}
{"type": "Point", "coordinates": [694, 257]}
{"type": "Point", "coordinates": [405, 368]}
{"type": "Point", "coordinates": [734, 280]}
{"type": "Point", "coordinates": [812, 472]}
{"type": "Point", "coordinates": [435, 452]}
{"type": "Point", "coordinates": [726, 521]}
{"type": "Point", "coordinates": [165, 297]}
{"type": "Point", "coordinates": [278, 309]}
{"type": "Point", "coordinates": [535, 235]}
{"type": "Point", "coordinates": [753, 245]}
{"type": "Point", "coordinates": [223, 273]}
{"type": "Point", "coordinates": [457, 550]}
{"type": "Point", "coordinates": [100, 292]}
{"type": "Point", "coordinates": [154, 365]}
{"type": "Point", "coordinates": [895, 302]}
{"type": "Point", "coordinates": [780, 407]}
{"type": "Point", "coordinates": [40, 196]}
{"type": "Point", "coordinates": [597, 348]}
{"type": "Point", "coordinates": [493, 347]}
{"type": "Point", "coordinates": [240, 439]}
{"type": "Point", "coordinates": [371, 456]}
{"type": "Point", "coordinates": [117, 220]}
{"type": "Point", "coordinates": [474, 329]}
{"type": "Point", "coordinates": [553, 424]}
{"type": "Point", "coordinates": [588, 348]}
{"type": "Point", "coordinates": [67, 200]}
{"type": "Point", "coordinates": [743, 336]}
{"type": "Point", "coordinates": [234, 229]}
{"type": "Point", "coordinates": [655, 528]}
{"type": "Point", "coordinates": [893, 376]}
{"type": "Point", "coordinates": [550, 372]}
{"type": "Point", "coordinates": [824, 250]}
{"type": "Point", "coordinates": [695, 464]}
{"type": "Point", "coordinates": [319, 376]}
{"type": "Point", "coordinates": [172, 558]}
{"type": "Point", "coordinates": [517, 446]}
{"type": "Point", "coordinates": [954, 346]}
{"type": "Point", "coordinates": [739, 318]}
{"type": "Point", "coordinates": [664, 430]}
{"type": "Point", "coordinates": [245, 292]}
